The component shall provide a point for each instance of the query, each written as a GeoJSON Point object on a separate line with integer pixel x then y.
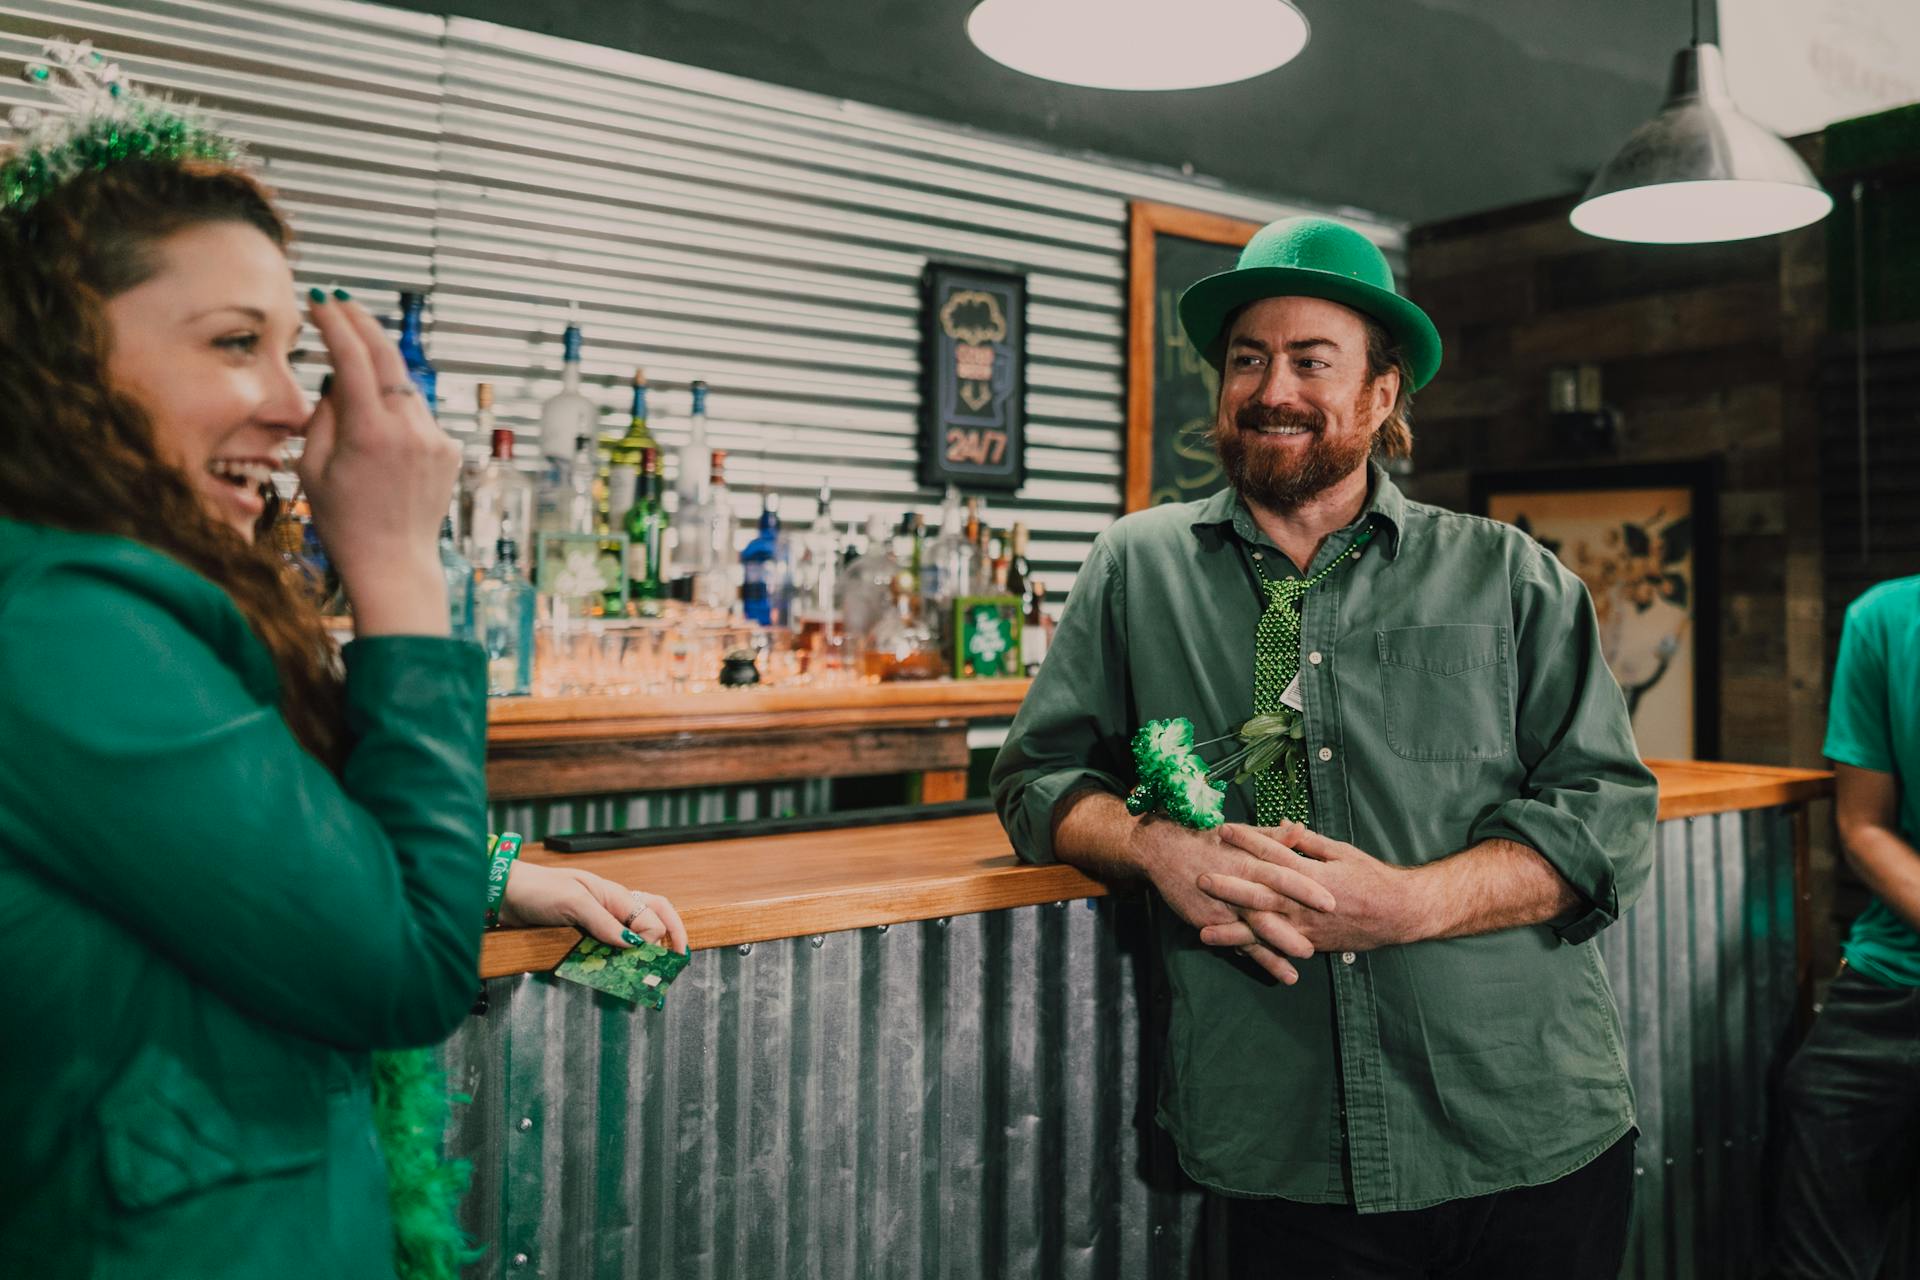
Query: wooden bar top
{"type": "Point", "coordinates": [731, 892]}
{"type": "Point", "coordinates": [784, 708]}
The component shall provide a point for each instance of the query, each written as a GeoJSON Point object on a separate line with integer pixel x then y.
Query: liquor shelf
{"type": "Point", "coordinates": [757, 889]}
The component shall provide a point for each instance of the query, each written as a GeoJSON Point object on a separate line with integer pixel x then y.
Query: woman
{"type": "Point", "coordinates": [227, 872]}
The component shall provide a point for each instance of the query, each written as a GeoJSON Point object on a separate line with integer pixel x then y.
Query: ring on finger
{"type": "Point", "coordinates": [399, 389]}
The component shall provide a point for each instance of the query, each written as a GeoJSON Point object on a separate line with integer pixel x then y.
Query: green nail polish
{"type": "Point", "coordinates": [343, 295]}
{"type": "Point", "coordinates": [317, 295]}
{"type": "Point", "coordinates": [631, 938]}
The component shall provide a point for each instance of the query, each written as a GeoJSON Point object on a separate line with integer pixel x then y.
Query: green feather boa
{"type": "Point", "coordinates": [410, 1105]}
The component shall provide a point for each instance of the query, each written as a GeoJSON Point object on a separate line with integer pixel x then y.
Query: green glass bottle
{"type": "Point", "coordinates": [646, 525]}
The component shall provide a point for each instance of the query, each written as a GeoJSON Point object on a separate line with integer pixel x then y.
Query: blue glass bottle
{"type": "Point", "coordinates": [414, 352]}
{"type": "Point", "coordinates": [763, 569]}
{"type": "Point", "coordinates": [504, 604]}
{"type": "Point", "coordinates": [459, 574]}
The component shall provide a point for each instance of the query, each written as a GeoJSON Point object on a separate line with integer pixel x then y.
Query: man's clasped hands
{"type": "Point", "coordinates": [1281, 894]}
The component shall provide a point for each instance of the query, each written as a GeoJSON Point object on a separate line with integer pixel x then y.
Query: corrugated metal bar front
{"type": "Point", "coordinates": [942, 1099]}
{"type": "Point", "coordinates": [1703, 970]}
{"type": "Point", "coordinates": [975, 1098]}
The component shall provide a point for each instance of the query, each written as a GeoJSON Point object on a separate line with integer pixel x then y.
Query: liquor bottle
{"type": "Point", "coordinates": [714, 585]}
{"type": "Point", "coordinates": [504, 605]}
{"type": "Point", "coordinates": [867, 589]}
{"type": "Point", "coordinates": [503, 492]}
{"type": "Point", "coordinates": [946, 570]}
{"type": "Point", "coordinates": [458, 571]}
{"type": "Point", "coordinates": [1036, 631]}
{"type": "Point", "coordinates": [689, 485]}
{"type": "Point", "coordinates": [563, 420]}
{"type": "Point", "coordinates": [625, 456]}
{"type": "Point", "coordinates": [568, 504]}
{"type": "Point", "coordinates": [816, 571]}
{"type": "Point", "coordinates": [413, 351]}
{"type": "Point", "coordinates": [764, 583]}
{"type": "Point", "coordinates": [646, 525]}
{"type": "Point", "coordinates": [1019, 580]}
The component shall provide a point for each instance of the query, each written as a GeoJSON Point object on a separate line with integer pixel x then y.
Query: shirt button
{"type": "Point", "coordinates": [1326, 753]}
{"type": "Point", "coordinates": [1314, 657]}
{"type": "Point", "coordinates": [1258, 556]}
{"type": "Point", "coordinates": [1346, 957]}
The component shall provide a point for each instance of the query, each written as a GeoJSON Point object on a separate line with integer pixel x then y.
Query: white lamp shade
{"type": "Point", "coordinates": [1139, 44]}
{"type": "Point", "coordinates": [1700, 171]}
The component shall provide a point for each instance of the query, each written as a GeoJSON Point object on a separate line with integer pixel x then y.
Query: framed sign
{"type": "Point", "coordinates": [973, 369]}
{"type": "Point", "coordinates": [1171, 391]}
{"type": "Point", "coordinates": [986, 637]}
{"type": "Point", "coordinates": [1645, 540]}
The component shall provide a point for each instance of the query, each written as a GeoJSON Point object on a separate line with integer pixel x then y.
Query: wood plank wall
{"type": "Point", "coordinates": [1706, 351]}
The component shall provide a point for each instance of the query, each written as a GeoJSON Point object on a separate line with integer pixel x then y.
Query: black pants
{"type": "Point", "coordinates": [1571, 1229]}
{"type": "Point", "coordinates": [1850, 1132]}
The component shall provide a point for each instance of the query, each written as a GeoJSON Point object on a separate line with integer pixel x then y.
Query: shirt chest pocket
{"type": "Point", "coordinates": [1445, 692]}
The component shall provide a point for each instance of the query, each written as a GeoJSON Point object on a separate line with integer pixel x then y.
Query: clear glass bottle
{"type": "Point", "coordinates": [503, 492]}
{"type": "Point", "coordinates": [816, 570]}
{"type": "Point", "coordinates": [715, 586]}
{"type": "Point", "coordinates": [690, 484]}
{"type": "Point", "coordinates": [413, 350]}
{"type": "Point", "coordinates": [867, 590]}
{"type": "Point", "coordinates": [504, 606]}
{"type": "Point", "coordinates": [458, 571]}
{"type": "Point", "coordinates": [564, 418]}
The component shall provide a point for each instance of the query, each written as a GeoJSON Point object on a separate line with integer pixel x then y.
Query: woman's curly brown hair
{"type": "Point", "coordinates": [77, 454]}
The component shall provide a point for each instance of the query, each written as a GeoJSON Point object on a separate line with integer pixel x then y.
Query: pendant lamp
{"type": "Point", "coordinates": [1700, 171]}
{"type": "Point", "coordinates": [1139, 44]}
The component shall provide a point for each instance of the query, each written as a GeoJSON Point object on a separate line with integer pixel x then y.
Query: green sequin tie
{"type": "Point", "coordinates": [1280, 793]}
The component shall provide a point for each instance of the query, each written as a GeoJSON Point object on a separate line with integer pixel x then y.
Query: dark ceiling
{"type": "Point", "coordinates": [1415, 109]}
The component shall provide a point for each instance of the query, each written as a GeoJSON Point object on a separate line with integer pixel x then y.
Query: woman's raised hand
{"type": "Point", "coordinates": [379, 473]}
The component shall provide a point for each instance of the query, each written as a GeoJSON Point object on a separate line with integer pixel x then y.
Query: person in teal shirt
{"type": "Point", "coordinates": [1851, 1096]}
{"type": "Point", "coordinates": [233, 863]}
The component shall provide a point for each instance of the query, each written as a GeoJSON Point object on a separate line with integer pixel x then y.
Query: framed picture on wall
{"type": "Point", "coordinates": [1645, 541]}
{"type": "Point", "coordinates": [973, 370]}
{"type": "Point", "coordinates": [1171, 391]}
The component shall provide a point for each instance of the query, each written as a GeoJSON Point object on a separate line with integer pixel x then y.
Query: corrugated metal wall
{"type": "Point", "coordinates": [764, 239]}
{"type": "Point", "coordinates": [679, 807]}
{"type": "Point", "coordinates": [974, 1098]}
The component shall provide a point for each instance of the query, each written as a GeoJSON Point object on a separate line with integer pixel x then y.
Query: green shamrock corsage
{"type": "Point", "coordinates": [1176, 781]}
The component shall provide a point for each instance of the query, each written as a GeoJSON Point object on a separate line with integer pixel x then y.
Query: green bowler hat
{"type": "Point", "coordinates": [1312, 258]}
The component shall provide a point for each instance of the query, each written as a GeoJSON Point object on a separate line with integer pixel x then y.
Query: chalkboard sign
{"type": "Point", "coordinates": [973, 363]}
{"type": "Point", "coordinates": [1171, 391]}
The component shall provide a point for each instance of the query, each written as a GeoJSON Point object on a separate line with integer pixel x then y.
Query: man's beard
{"type": "Point", "coordinates": [1282, 477]}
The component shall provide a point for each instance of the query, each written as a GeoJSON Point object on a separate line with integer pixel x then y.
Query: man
{"type": "Point", "coordinates": [1852, 1114]}
{"type": "Point", "coordinates": [1390, 1040]}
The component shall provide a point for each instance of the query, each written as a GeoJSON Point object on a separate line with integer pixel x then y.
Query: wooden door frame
{"type": "Point", "coordinates": [1145, 220]}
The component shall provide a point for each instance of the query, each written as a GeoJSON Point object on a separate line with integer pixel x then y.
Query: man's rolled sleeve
{"type": "Point", "coordinates": [1590, 803]}
{"type": "Point", "coordinates": [1859, 728]}
{"type": "Point", "coordinates": [1070, 732]}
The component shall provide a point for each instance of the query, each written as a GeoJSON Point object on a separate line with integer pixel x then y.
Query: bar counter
{"type": "Point", "coordinates": [751, 890]}
{"type": "Point", "coordinates": [900, 1052]}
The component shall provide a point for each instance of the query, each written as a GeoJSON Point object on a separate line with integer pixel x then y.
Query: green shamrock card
{"type": "Point", "coordinates": [639, 974]}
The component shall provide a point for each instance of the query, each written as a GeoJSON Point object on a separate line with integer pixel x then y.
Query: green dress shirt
{"type": "Point", "coordinates": [1455, 692]}
{"type": "Point", "coordinates": [204, 931]}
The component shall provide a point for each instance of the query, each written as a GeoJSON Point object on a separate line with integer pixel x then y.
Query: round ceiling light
{"type": "Point", "coordinates": [1139, 44]}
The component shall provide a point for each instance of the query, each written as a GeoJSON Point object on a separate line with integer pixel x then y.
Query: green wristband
{"type": "Point", "coordinates": [504, 848]}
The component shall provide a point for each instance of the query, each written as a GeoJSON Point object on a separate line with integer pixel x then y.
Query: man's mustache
{"type": "Point", "coordinates": [1254, 417]}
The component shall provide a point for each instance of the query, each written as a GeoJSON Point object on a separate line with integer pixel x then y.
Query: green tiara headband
{"type": "Point", "coordinates": [104, 124]}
